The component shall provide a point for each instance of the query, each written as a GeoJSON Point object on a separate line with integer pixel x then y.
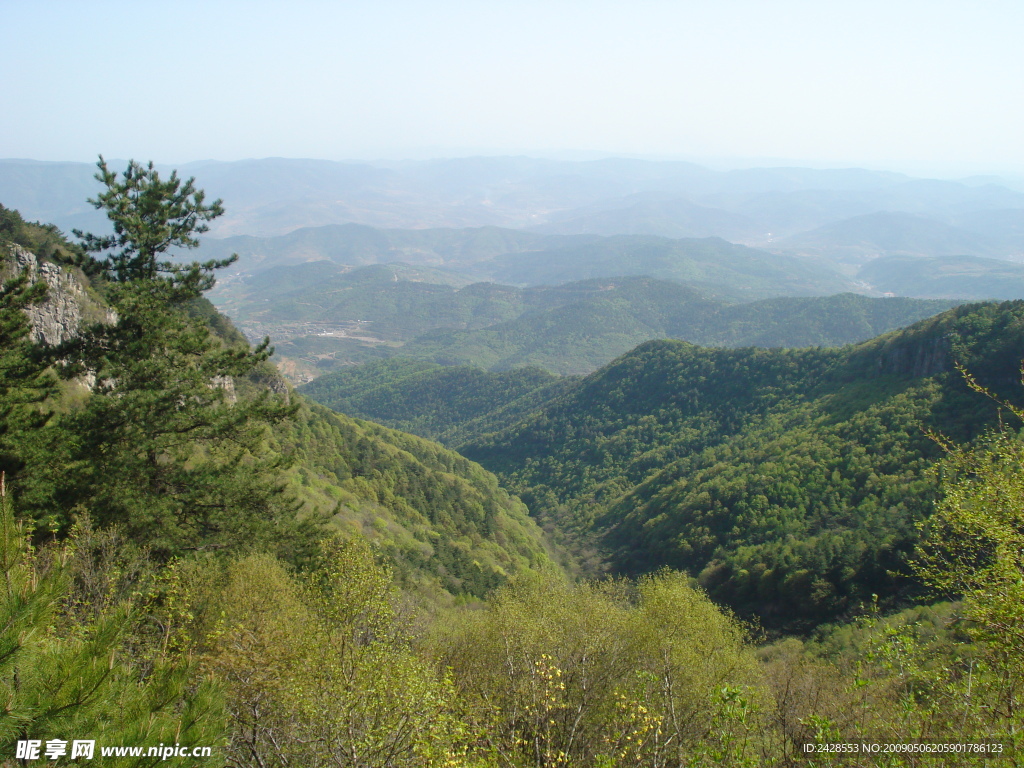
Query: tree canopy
{"type": "Point", "coordinates": [151, 216]}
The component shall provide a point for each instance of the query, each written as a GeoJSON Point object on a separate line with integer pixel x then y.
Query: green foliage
{"type": "Point", "coordinates": [913, 676]}
{"type": "Point", "coordinates": [319, 672]}
{"type": "Point", "coordinates": [817, 321]}
{"type": "Point", "coordinates": [604, 674]}
{"type": "Point", "coordinates": [625, 312]}
{"type": "Point", "coordinates": [25, 382]}
{"type": "Point", "coordinates": [65, 675]}
{"type": "Point", "coordinates": [163, 446]}
{"type": "Point", "coordinates": [789, 481]}
{"type": "Point", "coordinates": [973, 547]}
{"type": "Point", "coordinates": [438, 402]}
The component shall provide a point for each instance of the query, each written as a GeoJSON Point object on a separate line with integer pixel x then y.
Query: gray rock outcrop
{"type": "Point", "coordinates": [67, 305]}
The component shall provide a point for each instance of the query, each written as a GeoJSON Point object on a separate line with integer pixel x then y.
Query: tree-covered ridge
{"type": "Point", "coordinates": [572, 328]}
{"type": "Point", "coordinates": [441, 520]}
{"type": "Point", "coordinates": [378, 311]}
{"type": "Point", "coordinates": [664, 395]}
{"type": "Point", "coordinates": [815, 321]}
{"type": "Point", "coordinates": [395, 300]}
{"type": "Point", "coordinates": [789, 481]}
{"type": "Point", "coordinates": [582, 336]}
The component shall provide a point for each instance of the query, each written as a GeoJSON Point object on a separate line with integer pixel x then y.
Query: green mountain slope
{"type": "Point", "coordinates": [442, 520]}
{"type": "Point", "coordinates": [580, 337]}
{"type": "Point", "coordinates": [789, 481]}
{"type": "Point", "coordinates": [323, 315]}
{"type": "Point", "coordinates": [393, 300]}
{"type": "Point", "coordinates": [722, 268]}
{"type": "Point", "coordinates": [608, 318]}
{"type": "Point", "coordinates": [817, 321]}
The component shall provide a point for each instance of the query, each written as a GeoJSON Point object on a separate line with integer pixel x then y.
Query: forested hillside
{"type": "Point", "coordinates": [440, 520]}
{"type": "Point", "coordinates": [581, 337]}
{"type": "Point", "coordinates": [436, 516]}
{"type": "Point", "coordinates": [443, 403]}
{"type": "Point", "coordinates": [791, 481]}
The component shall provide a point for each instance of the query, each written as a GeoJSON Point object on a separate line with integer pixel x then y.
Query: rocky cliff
{"type": "Point", "coordinates": [68, 303]}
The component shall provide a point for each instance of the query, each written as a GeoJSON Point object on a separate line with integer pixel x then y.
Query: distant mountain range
{"type": "Point", "coordinates": [656, 214]}
{"type": "Point", "coordinates": [275, 196]}
{"type": "Point", "coordinates": [861, 238]}
{"type": "Point", "coordinates": [735, 236]}
{"type": "Point", "coordinates": [712, 264]}
{"type": "Point", "coordinates": [358, 244]}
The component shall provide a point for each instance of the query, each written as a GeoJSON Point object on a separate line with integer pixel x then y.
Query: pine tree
{"type": "Point", "coordinates": [25, 381]}
{"type": "Point", "coordinates": [163, 447]}
{"type": "Point", "coordinates": [151, 216]}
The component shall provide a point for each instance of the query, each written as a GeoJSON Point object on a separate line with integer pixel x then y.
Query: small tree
{"type": "Point", "coordinates": [973, 551]}
{"type": "Point", "coordinates": [319, 672]}
{"type": "Point", "coordinates": [974, 544]}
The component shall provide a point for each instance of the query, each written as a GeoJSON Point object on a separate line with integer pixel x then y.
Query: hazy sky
{"type": "Point", "coordinates": [917, 85]}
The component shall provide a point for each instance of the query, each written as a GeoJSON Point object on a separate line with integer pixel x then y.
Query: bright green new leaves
{"type": "Point", "coordinates": [319, 672]}
{"type": "Point", "coordinates": [604, 674]}
{"type": "Point", "coordinates": [974, 546]}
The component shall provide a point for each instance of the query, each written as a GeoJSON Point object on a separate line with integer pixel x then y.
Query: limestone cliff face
{"type": "Point", "coordinates": [68, 304]}
{"type": "Point", "coordinates": [918, 358]}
